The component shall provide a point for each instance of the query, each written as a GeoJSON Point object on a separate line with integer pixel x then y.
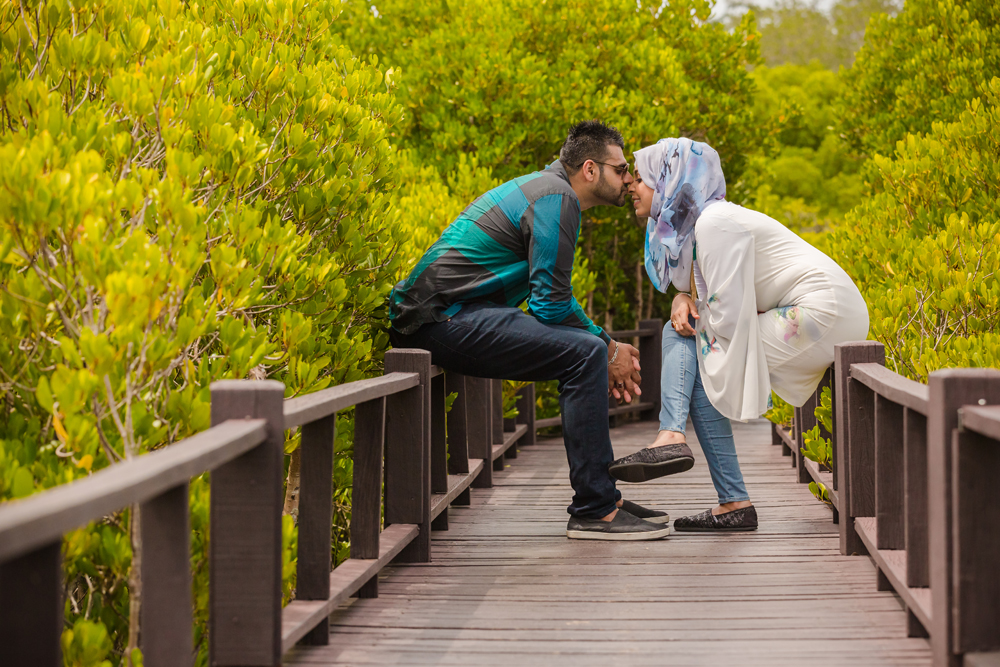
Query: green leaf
{"type": "Point", "coordinates": [23, 483]}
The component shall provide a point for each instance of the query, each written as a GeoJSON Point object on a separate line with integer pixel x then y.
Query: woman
{"type": "Point", "coordinates": [759, 309]}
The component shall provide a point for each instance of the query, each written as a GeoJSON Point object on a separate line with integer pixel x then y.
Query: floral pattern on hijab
{"type": "Point", "coordinates": [686, 176]}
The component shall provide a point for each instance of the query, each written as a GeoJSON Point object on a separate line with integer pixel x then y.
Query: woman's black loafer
{"type": "Point", "coordinates": [653, 462]}
{"type": "Point", "coordinates": [744, 519]}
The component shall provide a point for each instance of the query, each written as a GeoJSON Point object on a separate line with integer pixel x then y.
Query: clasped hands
{"type": "Point", "coordinates": [623, 373]}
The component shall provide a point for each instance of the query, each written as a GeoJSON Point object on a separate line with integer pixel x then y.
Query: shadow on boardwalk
{"type": "Point", "coordinates": [507, 588]}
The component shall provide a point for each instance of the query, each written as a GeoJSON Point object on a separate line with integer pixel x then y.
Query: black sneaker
{"type": "Point", "coordinates": [650, 463]}
{"type": "Point", "coordinates": [623, 527]}
{"type": "Point", "coordinates": [744, 519]}
{"type": "Point", "coordinates": [653, 516]}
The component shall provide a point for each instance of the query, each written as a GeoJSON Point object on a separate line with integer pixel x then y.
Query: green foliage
{"type": "Point", "coordinates": [925, 249]}
{"type": "Point", "coordinates": [920, 68]}
{"type": "Point", "coordinates": [187, 193]}
{"type": "Point", "coordinates": [781, 413]}
{"type": "Point", "coordinates": [822, 494]}
{"type": "Point", "coordinates": [801, 32]}
{"type": "Point", "coordinates": [491, 90]}
{"type": "Point", "coordinates": [805, 176]}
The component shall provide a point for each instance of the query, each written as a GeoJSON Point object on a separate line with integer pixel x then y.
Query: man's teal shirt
{"type": "Point", "coordinates": [516, 242]}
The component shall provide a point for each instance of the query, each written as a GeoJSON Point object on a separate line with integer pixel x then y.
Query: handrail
{"type": "Point", "coordinates": [984, 420]}
{"type": "Point", "coordinates": [914, 469]}
{"type": "Point", "coordinates": [304, 409]}
{"type": "Point", "coordinates": [892, 386]}
{"type": "Point", "coordinates": [632, 333]}
{"type": "Point", "coordinates": [37, 520]}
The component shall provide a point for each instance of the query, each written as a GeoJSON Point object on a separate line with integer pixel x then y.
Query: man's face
{"type": "Point", "coordinates": [611, 187]}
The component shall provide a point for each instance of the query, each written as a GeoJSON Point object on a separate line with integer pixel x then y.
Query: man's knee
{"type": "Point", "coordinates": [588, 353]}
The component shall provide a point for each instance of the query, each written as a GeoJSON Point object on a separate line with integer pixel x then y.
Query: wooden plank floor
{"type": "Point", "coordinates": [507, 588]}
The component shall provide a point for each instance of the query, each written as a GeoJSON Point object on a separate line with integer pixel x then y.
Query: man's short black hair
{"type": "Point", "coordinates": [588, 140]}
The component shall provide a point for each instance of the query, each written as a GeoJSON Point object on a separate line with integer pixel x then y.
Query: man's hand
{"type": "Point", "coordinates": [623, 375]}
{"type": "Point", "coordinates": [683, 307]}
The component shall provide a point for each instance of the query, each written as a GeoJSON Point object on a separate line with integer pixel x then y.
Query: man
{"type": "Point", "coordinates": [516, 243]}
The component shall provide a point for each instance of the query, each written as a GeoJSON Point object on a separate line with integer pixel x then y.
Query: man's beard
{"type": "Point", "coordinates": [608, 194]}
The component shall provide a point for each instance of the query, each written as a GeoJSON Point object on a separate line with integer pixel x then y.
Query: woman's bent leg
{"type": "Point", "coordinates": [715, 434]}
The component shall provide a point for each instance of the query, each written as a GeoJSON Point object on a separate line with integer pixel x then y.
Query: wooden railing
{"type": "Point", "coordinates": [410, 464]}
{"type": "Point", "coordinates": [913, 486]}
{"type": "Point", "coordinates": [649, 340]}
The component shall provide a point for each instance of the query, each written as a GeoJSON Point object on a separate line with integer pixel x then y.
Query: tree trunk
{"type": "Point", "coordinates": [638, 293]}
{"type": "Point", "coordinates": [134, 584]}
{"type": "Point", "coordinates": [292, 485]}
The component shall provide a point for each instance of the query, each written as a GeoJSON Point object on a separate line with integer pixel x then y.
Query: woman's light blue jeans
{"type": "Point", "coordinates": [681, 393]}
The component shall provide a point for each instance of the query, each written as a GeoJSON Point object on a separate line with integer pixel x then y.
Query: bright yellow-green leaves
{"type": "Point", "coordinates": [188, 192]}
{"type": "Point", "coordinates": [926, 248]}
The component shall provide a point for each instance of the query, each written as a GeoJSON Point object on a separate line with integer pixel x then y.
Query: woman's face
{"type": "Point", "coordinates": [642, 195]}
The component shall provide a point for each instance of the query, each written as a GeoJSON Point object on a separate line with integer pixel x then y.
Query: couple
{"type": "Point", "coordinates": [758, 309]}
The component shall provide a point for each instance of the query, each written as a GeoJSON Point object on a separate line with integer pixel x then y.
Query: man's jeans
{"type": "Point", "coordinates": [681, 393]}
{"type": "Point", "coordinates": [500, 342]}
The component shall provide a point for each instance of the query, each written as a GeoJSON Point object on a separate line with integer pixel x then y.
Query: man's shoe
{"type": "Point", "coordinates": [653, 462]}
{"type": "Point", "coordinates": [653, 516]}
{"type": "Point", "coordinates": [624, 527]}
{"type": "Point", "coordinates": [744, 519]}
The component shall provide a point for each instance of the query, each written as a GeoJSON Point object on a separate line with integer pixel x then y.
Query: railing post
{"type": "Point", "coordinates": [526, 412]}
{"type": "Point", "coordinates": [245, 543]}
{"type": "Point", "coordinates": [948, 391]}
{"type": "Point", "coordinates": [915, 498]}
{"type": "Point", "coordinates": [889, 474]}
{"type": "Point", "coordinates": [976, 460]}
{"type": "Point", "coordinates": [316, 519]}
{"type": "Point", "coordinates": [408, 451]}
{"type": "Point", "coordinates": [31, 608]}
{"type": "Point", "coordinates": [854, 440]}
{"type": "Point", "coordinates": [366, 493]}
{"type": "Point", "coordinates": [805, 419]}
{"type": "Point", "coordinates": [458, 434]}
{"type": "Point", "coordinates": [439, 447]}
{"type": "Point", "coordinates": [166, 579]}
{"type": "Point", "coordinates": [479, 416]}
{"type": "Point", "coordinates": [496, 423]}
{"type": "Point", "coordinates": [651, 360]}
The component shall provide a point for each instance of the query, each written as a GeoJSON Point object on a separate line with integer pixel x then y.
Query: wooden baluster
{"type": "Point", "coordinates": [948, 391]}
{"type": "Point", "coordinates": [496, 422]}
{"type": "Point", "coordinates": [805, 420]}
{"type": "Point", "coordinates": [889, 471]}
{"type": "Point", "coordinates": [853, 425]}
{"type": "Point", "coordinates": [31, 608]}
{"type": "Point", "coordinates": [316, 519]}
{"type": "Point", "coordinates": [775, 438]}
{"type": "Point", "coordinates": [166, 579]}
{"type": "Point", "coordinates": [245, 543]}
{"type": "Point", "coordinates": [366, 493]}
{"type": "Point", "coordinates": [915, 498]}
{"type": "Point", "coordinates": [651, 360]}
{"type": "Point", "coordinates": [439, 443]}
{"type": "Point", "coordinates": [407, 453]}
{"type": "Point", "coordinates": [827, 383]}
{"type": "Point", "coordinates": [976, 460]}
{"type": "Point", "coordinates": [526, 412]}
{"type": "Point", "coordinates": [458, 435]}
{"type": "Point", "coordinates": [439, 447]}
{"type": "Point", "coordinates": [479, 393]}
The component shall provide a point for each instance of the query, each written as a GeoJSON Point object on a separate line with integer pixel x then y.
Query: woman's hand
{"type": "Point", "coordinates": [683, 307]}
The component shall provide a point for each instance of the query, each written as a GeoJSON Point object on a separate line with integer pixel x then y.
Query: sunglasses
{"type": "Point", "coordinates": [620, 169]}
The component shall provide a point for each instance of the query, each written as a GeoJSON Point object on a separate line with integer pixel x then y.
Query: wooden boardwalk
{"type": "Point", "coordinates": [507, 588]}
